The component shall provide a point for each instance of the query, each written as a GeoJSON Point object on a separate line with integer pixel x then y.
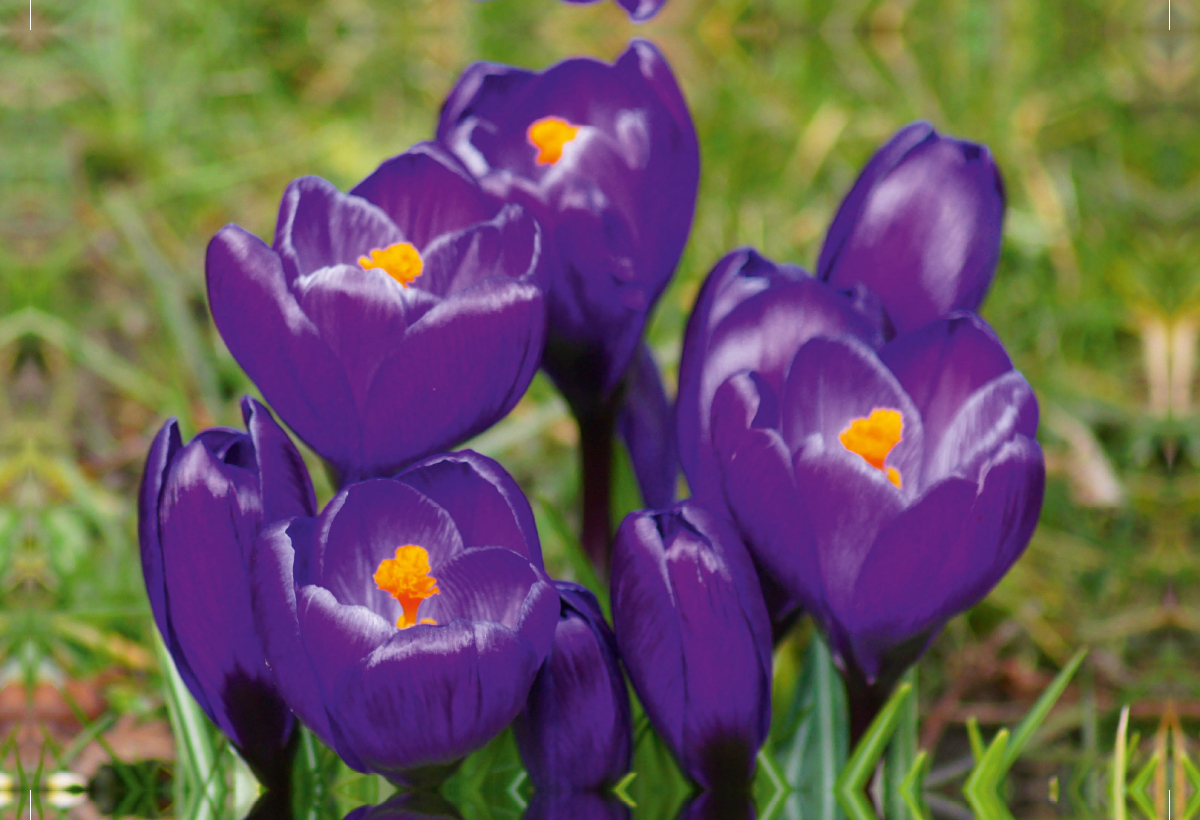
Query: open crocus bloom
{"type": "Point", "coordinates": [607, 160]}
{"type": "Point", "coordinates": [200, 508]}
{"type": "Point", "coordinates": [389, 323]}
{"type": "Point", "coordinates": [406, 623]}
{"type": "Point", "coordinates": [886, 491]}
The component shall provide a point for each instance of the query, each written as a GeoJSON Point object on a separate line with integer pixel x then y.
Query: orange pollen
{"type": "Point", "coordinates": [406, 578]}
{"type": "Point", "coordinates": [549, 135]}
{"type": "Point", "coordinates": [400, 261]}
{"type": "Point", "coordinates": [874, 437]}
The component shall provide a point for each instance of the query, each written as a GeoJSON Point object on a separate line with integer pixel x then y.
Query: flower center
{"type": "Point", "coordinates": [874, 437]}
{"type": "Point", "coordinates": [549, 135]}
{"type": "Point", "coordinates": [406, 578]}
{"type": "Point", "coordinates": [400, 261]}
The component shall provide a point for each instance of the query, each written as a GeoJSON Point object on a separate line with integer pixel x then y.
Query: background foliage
{"type": "Point", "coordinates": [132, 130]}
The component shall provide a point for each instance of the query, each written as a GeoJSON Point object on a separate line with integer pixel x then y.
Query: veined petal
{"type": "Point", "coordinates": [320, 227]}
{"type": "Point", "coordinates": [427, 192]}
{"type": "Point", "coordinates": [278, 346]}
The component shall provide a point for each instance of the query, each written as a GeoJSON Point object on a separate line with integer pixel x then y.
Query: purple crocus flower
{"type": "Point", "coordinates": [575, 732]}
{"type": "Point", "coordinates": [885, 490]}
{"type": "Point", "coordinates": [200, 509]}
{"type": "Point", "coordinates": [607, 160]}
{"type": "Point", "coordinates": [389, 323]}
{"type": "Point", "coordinates": [920, 227]}
{"type": "Point", "coordinates": [407, 622]}
{"type": "Point", "coordinates": [693, 632]}
{"type": "Point", "coordinates": [639, 11]}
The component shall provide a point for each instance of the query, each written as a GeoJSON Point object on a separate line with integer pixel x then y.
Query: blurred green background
{"type": "Point", "coordinates": [133, 129]}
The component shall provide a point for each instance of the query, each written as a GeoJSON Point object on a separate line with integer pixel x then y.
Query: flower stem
{"type": "Point", "coordinates": [596, 427]}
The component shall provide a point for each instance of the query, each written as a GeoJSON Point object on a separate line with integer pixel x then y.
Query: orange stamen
{"type": "Point", "coordinates": [874, 437]}
{"type": "Point", "coordinates": [549, 135]}
{"type": "Point", "coordinates": [400, 261]}
{"type": "Point", "coordinates": [406, 578]}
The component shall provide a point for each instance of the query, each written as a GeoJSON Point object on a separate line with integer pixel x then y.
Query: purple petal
{"type": "Point", "coordinates": [833, 382]}
{"type": "Point", "coordinates": [285, 489]}
{"type": "Point", "coordinates": [427, 192]}
{"type": "Point", "coordinates": [993, 414]}
{"type": "Point", "coordinates": [507, 246]}
{"type": "Point", "coordinates": [575, 733]}
{"type": "Point", "coordinates": [904, 580]}
{"type": "Point", "coordinates": [760, 489]}
{"type": "Point", "coordinates": [364, 525]}
{"type": "Point", "coordinates": [484, 501]}
{"type": "Point", "coordinates": [321, 227]}
{"type": "Point", "coordinates": [645, 423]}
{"type": "Point", "coordinates": [944, 362]}
{"type": "Point", "coordinates": [162, 452]}
{"type": "Point", "coordinates": [649, 637]}
{"type": "Point", "coordinates": [489, 584]}
{"type": "Point", "coordinates": [273, 596]}
{"type": "Point", "coordinates": [880, 164]}
{"type": "Point", "coordinates": [278, 346]}
{"type": "Point", "coordinates": [460, 685]}
{"type": "Point", "coordinates": [489, 337]}
{"type": "Point", "coordinates": [927, 236]}
{"type": "Point", "coordinates": [360, 315]}
{"type": "Point", "coordinates": [641, 10]}
{"type": "Point", "coordinates": [847, 502]}
{"type": "Point", "coordinates": [207, 513]}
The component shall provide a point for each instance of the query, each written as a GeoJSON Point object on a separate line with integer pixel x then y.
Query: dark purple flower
{"type": "Point", "coordinates": [920, 227]}
{"type": "Point", "coordinates": [885, 490]}
{"type": "Point", "coordinates": [575, 732]}
{"type": "Point", "coordinates": [406, 623]}
{"type": "Point", "coordinates": [388, 323]}
{"type": "Point", "coordinates": [693, 632]}
{"type": "Point", "coordinates": [200, 508]}
{"type": "Point", "coordinates": [606, 158]}
{"type": "Point", "coordinates": [575, 806]}
{"type": "Point", "coordinates": [639, 11]}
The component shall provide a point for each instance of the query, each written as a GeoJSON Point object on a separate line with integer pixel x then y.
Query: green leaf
{"type": "Point", "coordinates": [814, 754]}
{"type": "Point", "coordinates": [1137, 788]}
{"type": "Point", "coordinates": [1033, 719]}
{"type": "Point", "coordinates": [980, 788]}
{"type": "Point", "coordinates": [978, 747]}
{"type": "Point", "coordinates": [901, 753]}
{"type": "Point", "coordinates": [855, 776]}
{"type": "Point", "coordinates": [912, 789]}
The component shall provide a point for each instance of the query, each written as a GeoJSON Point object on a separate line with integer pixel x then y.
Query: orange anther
{"type": "Point", "coordinates": [549, 135]}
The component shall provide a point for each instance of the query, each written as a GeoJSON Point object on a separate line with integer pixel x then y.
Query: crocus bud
{"type": "Point", "coordinates": [920, 228]}
{"type": "Point", "coordinates": [607, 160]}
{"type": "Point", "coordinates": [390, 323]}
{"type": "Point", "coordinates": [693, 633]}
{"type": "Point", "coordinates": [575, 732]}
{"type": "Point", "coordinates": [200, 509]}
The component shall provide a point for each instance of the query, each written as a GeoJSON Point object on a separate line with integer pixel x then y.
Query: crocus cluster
{"type": "Point", "coordinates": [858, 446]}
